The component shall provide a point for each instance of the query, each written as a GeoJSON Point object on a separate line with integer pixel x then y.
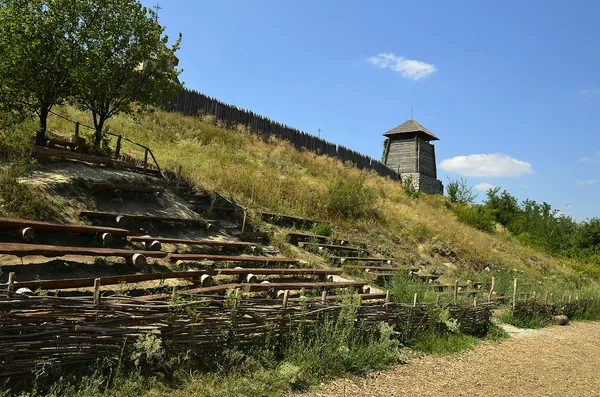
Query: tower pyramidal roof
{"type": "Point", "coordinates": [411, 127]}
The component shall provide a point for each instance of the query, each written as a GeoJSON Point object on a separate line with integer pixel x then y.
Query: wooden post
{"type": "Point", "coordinates": [11, 281]}
{"type": "Point", "coordinates": [475, 302]}
{"type": "Point", "coordinates": [455, 292]}
{"type": "Point", "coordinates": [146, 159]}
{"type": "Point", "coordinates": [237, 299]}
{"type": "Point", "coordinates": [118, 149]}
{"type": "Point", "coordinates": [285, 298]}
{"type": "Point", "coordinates": [96, 291]}
{"type": "Point", "coordinates": [75, 136]}
{"type": "Point", "coordinates": [359, 299]}
{"type": "Point", "coordinates": [388, 296]}
{"type": "Point", "coordinates": [492, 289]}
{"type": "Point", "coordinates": [514, 302]}
{"type": "Point", "coordinates": [415, 300]}
{"type": "Point", "coordinates": [179, 181]}
{"type": "Point", "coordinates": [244, 222]}
{"type": "Point", "coordinates": [546, 299]}
{"type": "Point", "coordinates": [437, 300]}
{"type": "Point", "coordinates": [324, 297]}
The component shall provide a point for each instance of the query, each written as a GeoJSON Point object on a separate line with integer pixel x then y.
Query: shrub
{"type": "Point", "coordinates": [475, 216]}
{"type": "Point", "coordinates": [460, 192]}
{"type": "Point", "coordinates": [350, 198]}
{"type": "Point", "coordinates": [322, 229]}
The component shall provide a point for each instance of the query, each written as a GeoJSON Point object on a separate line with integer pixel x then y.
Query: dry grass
{"type": "Point", "coordinates": [275, 176]}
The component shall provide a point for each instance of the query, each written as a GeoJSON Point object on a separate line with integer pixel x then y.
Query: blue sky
{"type": "Point", "coordinates": [512, 87]}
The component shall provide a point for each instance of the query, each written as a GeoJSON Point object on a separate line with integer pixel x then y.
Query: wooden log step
{"type": "Point", "coordinates": [426, 277]}
{"type": "Point", "coordinates": [225, 210]}
{"type": "Point", "coordinates": [363, 297]}
{"type": "Point", "coordinates": [279, 272]}
{"type": "Point", "coordinates": [343, 259]}
{"type": "Point", "coordinates": [294, 237]}
{"type": "Point", "coordinates": [87, 158]}
{"type": "Point", "coordinates": [261, 288]}
{"type": "Point", "coordinates": [227, 258]}
{"type": "Point", "coordinates": [107, 280]}
{"type": "Point", "coordinates": [123, 218]}
{"type": "Point", "coordinates": [137, 278]}
{"type": "Point", "coordinates": [125, 188]}
{"type": "Point", "coordinates": [52, 251]}
{"type": "Point", "coordinates": [367, 267]}
{"type": "Point", "coordinates": [14, 223]}
{"type": "Point", "coordinates": [183, 241]}
{"type": "Point", "coordinates": [252, 236]}
{"type": "Point", "coordinates": [51, 142]}
{"type": "Point", "coordinates": [332, 247]}
{"type": "Point", "coordinates": [278, 219]}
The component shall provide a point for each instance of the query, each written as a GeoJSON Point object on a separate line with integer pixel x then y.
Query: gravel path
{"type": "Point", "coordinates": [556, 361]}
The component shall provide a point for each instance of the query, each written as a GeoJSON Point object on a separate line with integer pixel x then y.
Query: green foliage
{"type": "Point", "coordinates": [496, 333]}
{"type": "Point", "coordinates": [442, 339]}
{"type": "Point", "coordinates": [37, 43]}
{"type": "Point", "coordinates": [19, 200]}
{"type": "Point", "coordinates": [16, 144]}
{"type": "Point", "coordinates": [460, 191]}
{"type": "Point", "coordinates": [476, 216]}
{"type": "Point", "coordinates": [408, 186]}
{"type": "Point", "coordinates": [349, 198]}
{"type": "Point", "coordinates": [114, 38]}
{"type": "Point", "coordinates": [322, 229]}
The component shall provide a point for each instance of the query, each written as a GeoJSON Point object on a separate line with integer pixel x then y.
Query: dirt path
{"type": "Point", "coordinates": [556, 361]}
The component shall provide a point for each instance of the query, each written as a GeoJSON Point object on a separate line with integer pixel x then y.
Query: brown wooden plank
{"type": "Point", "coordinates": [65, 154]}
{"type": "Point", "coordinates": [342, 259]}
{"type": "Point", "coordinates": [364, 297]}
{"type": "Point", "coordinates": [152, 218]}
{"type": "Point", "coordinates": [367, 267]}
{"type": "Point", "coordinates": [208, 243]}
{"type": "Point", "coordinates": [52, 251]}
{"type": "Point", "coordinates": [130, 188]}
{"type": "Point", "coordinates": [202, 208]}
{"type": "Point", "coordinates": [260, 288]}
{"type": "Point", "coordinates": [8, 223]}
{"type": "Point", "coordinates": [137, 278]}
{"type": "Point", "coordinates": [331, 247]}
{"type": "Point", "coordinates": [228, 258]}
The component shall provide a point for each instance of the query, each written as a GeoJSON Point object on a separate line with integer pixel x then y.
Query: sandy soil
{"type": "Point", "coordinates": [556, 361]}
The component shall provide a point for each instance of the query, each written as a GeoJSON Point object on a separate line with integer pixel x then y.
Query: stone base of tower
{"type": "Point", "coordinates": [424, 183]}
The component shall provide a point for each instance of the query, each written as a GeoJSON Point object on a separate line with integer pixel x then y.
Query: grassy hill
{"type": "Point", "coordinates": [275, 176]}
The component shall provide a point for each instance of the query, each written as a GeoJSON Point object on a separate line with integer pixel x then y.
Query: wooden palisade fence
{"type": "Point", "coordinates": [193, 103]}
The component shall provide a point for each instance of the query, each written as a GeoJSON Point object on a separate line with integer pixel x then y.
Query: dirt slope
{"type": "Point", "coordinates": [557, 361]}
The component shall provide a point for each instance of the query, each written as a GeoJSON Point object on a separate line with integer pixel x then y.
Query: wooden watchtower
{"type": "Point", "coordinates": [408, 152]}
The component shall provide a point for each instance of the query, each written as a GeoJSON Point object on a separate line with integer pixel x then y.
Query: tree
{"type": "Point", "coordinates": [115, 38]}
{"type": "Point", "coordinates": [37, 43]}
{"type": "Point", "coordinates": [460, 192]}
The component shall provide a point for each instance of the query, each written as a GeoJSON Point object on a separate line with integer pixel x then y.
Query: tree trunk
{"type": "Point", "coordinates": [98, 134]}
{"type": "Point", "coordinates": [40, 138]}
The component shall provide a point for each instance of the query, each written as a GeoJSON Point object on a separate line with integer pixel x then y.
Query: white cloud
{"type": "Point", "coordinates": [588, 92]}
{"type": "Point", "coordinates": [487, 165]}
{"type": "Point", "coordinates": [592, 160]}
{"type": "Point", "coordinates": [484, 187]}
{"type": "Point", "coordinates": [410, 69]}
{"type": "Point", "coordinates": [588, 182]}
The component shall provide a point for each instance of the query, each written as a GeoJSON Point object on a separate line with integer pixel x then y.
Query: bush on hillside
{"type": "Point", "coordinates": [475, 216]}
{"type": "Point", "coordinates": [350, 198]}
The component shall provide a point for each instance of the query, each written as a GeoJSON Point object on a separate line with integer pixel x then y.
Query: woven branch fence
{"type": "Point", "coordinates": [42, 331]}
{"type": "Point", "coordinates": [578, 308]}
{"type": "Point", "coordinates": [193, 103]}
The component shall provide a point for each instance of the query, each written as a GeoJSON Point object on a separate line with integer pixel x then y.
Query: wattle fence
{"type": "Point", "coordinates": [193, 103]}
